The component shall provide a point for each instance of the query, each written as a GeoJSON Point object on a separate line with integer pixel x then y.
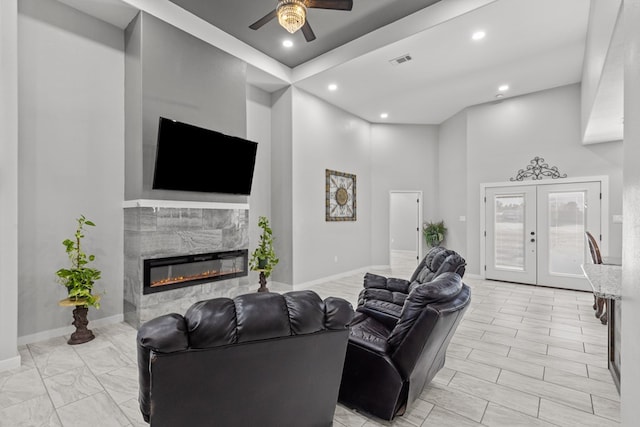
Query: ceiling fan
{"type": "Point", "coordinates": [292, 14]}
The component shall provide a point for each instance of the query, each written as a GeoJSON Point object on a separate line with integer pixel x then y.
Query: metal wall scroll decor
{"type": "Point", "coordinates": [538, 169]}
{"type": "Point", "coordinates": [340, 197]}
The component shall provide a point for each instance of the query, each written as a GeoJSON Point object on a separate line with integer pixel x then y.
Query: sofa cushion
{"type": "Point", "coordinates": [369, 333]}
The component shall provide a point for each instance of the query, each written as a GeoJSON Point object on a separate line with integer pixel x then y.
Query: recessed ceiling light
{"type": "Point", "coordinates": [503, 88]}
{"type": "Point", "coordinates": [332, 87]}
{"type": "Point", "coordinates": [478, 35]}
{"type": "Point", "coordinates": [287, 43]}
{"type": "Point", "coordinates": [384, 115]}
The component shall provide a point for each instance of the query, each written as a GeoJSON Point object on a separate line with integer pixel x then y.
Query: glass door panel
{"type": "Point", "coordinates": [566, 232]}
{"type": "Point", "coordinates": [509, 231]}
{"type": "Point", "coordinates": [510, 234]}
{"type": "Point", "coordinates": [565, 212]}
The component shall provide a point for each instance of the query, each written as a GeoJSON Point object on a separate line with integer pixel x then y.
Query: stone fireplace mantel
{"type": "Point", "coordinates": [167, 228]}
{"type": "Point", "coordinates": [149, 203]}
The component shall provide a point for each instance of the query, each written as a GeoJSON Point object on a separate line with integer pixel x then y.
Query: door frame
{"type": "Point", "coordinates": [420, 220]}
{"type": "Point", "coordinates": [604, 208]}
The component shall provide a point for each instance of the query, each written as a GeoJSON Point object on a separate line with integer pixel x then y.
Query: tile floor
{"type": "Point", "coordinates": [522, 356]}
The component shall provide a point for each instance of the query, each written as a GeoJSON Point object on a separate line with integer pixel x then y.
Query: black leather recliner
{"type": "Point", "coordinates": [260, 359]}
{"type": "Point", "coordinates": [387, 366]}
{"type": "Point", "coordinates": [383, 298]}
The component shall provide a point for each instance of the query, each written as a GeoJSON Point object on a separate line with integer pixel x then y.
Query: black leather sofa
{"type": "Point", "coordinates": [389, 362]}
{"type": "Point", "coordinates": [261, 359]}
{"type": "Point", "coordinates": [383, 298]}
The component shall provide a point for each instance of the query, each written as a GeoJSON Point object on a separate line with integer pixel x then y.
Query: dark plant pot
{"type": "Point", "coordinates": [82, 334]}
{"type": "Point", "coordinates": [262, 263]}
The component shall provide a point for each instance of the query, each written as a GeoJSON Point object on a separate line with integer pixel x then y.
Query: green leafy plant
{"type": "Point", "coordinates": [264, 257]}
{"type": "Point", "coordinates": [434, 232]}
{"type": "Point", "coordinates": [79, 279]}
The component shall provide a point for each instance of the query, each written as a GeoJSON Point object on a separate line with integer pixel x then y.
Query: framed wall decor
{"type": "Point", "coordinates": [340, 191]}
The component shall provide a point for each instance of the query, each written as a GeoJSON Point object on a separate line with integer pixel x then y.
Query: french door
{"type": "Point", "coordinates": [535, 234]}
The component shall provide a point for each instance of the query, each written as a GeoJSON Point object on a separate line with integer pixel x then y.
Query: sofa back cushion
{"type": "Point", "coordinates": [258, 316]}
{"type": "Point", "coordinates": [445, 288]}
{"type": "Point", "coordinates": [437, 261]}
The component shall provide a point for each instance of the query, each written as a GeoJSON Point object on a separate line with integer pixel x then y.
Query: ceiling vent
{"type": "Point", "coordinates": [401, 59]}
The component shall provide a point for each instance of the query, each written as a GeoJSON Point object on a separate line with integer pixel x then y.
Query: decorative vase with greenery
{"type": "Point", "coordinates": [79, 280]}
{"type": "Point", "coordinates": [434, 233]}
{"type": "Point", "coordinates": [264, 258]}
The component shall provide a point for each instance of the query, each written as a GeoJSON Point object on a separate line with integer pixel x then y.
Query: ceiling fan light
{"type": "Point", "coordinates": [291, 14]}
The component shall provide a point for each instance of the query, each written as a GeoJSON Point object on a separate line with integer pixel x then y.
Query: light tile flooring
{"type": "Point", "coordinates": [522, 356]}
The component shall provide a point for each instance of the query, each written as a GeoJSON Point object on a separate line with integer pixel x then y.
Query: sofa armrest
{"type": "Point", "coordinates": [164, 334]}
{"type": "Point", "coordinates": [338, 313]}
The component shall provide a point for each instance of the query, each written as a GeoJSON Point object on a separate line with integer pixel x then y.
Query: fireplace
{"type": "Point", "coordinates": [163, 274]}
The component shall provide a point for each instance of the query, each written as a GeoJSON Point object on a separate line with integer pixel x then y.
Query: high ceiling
{"type": "Point", "coordinates": [530, 45]}
{"type": "Point", "coordinates": [332, 28]}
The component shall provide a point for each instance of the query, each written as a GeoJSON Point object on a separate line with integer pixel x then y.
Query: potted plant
{"type": "Point", "coordinates": [79, 280]}
{"type": "Point", "coordinates": [434, 232]}
{"type": "Point", "coordinates": [264, 258]}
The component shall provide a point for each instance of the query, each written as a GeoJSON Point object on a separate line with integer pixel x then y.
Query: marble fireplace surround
{"type": "Point", "coordinates": [165, 228]}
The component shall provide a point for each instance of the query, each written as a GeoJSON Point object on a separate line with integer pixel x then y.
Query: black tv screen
{"type": "Point", "coordinates": [192, 158]}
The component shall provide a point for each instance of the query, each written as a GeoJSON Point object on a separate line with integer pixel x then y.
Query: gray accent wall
{"type": "Point", "coordinates": [71, 149]}
{"type": "Point", "coordinates": [173, 74]}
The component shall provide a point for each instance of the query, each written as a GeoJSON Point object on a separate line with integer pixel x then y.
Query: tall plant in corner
{"type": "Point", "coordinates": [79, 278]}
{"type": "Point", "coordinates": [264, 258]}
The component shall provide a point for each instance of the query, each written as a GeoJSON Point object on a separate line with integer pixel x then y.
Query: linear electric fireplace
{"type": "Point", "coordinates": [162, 274]}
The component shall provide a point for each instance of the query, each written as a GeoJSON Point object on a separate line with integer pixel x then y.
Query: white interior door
{"type": "Point", "coordinates": [535, 234]}
{"type": "Point", "coordinates": [405, 232]}
{"type": "Point", "coordinates": [511, 234]}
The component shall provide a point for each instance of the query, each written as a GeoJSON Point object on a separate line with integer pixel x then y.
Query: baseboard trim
{"type": "Point", "coordinates": [11, 363]}
{"type": "Point", "coordinates": [68, 330]}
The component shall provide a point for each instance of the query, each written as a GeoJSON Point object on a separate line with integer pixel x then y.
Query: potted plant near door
{"type": "Point", "coordinates": [264, 258]}
{"type": "Point", "coordinates": [79, 280]}
{"type": "Point", "coordinates": [434, 233]}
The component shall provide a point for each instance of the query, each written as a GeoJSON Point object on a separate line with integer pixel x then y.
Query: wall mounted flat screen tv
{"type": "Point", "coordinates": [192, 158]}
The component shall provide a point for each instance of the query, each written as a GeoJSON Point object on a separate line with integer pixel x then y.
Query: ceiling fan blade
{"type": "Point", "coordinates": [266, 18]}
{"type": "Point", "coordinates": [330, 4]}
{"type": "Point", "coordinates": [308, 32]}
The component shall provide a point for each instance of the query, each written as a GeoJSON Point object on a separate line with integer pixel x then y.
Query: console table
{"type": "Point", "coordinates": [606, 281]}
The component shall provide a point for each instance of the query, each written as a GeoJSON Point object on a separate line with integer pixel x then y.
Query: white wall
{"type": "Point", "coordinates": [259, 130]}
{"type": "Point", "coordinates": [630, 348]}
{"type": "Point", "coordinates": [602, 21]}
{"type": "Point", "coordinates": [503, 137]}
{"type": "Point", "coordinates": [9, 185]}
{"type": "Point", "coordinates": [452, 180]}
{"type": "Point", "coordinates": [71, 130]}
{"type": "Point", "coordinates": [403, 157]}
{"type": "Point", "coordinates": [326, 137]}
{"type": "Point", "coordinates": [281, 183]}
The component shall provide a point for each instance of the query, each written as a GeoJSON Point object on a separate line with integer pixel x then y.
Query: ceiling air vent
{"type": "Point", "coordinates": [401, 59]}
